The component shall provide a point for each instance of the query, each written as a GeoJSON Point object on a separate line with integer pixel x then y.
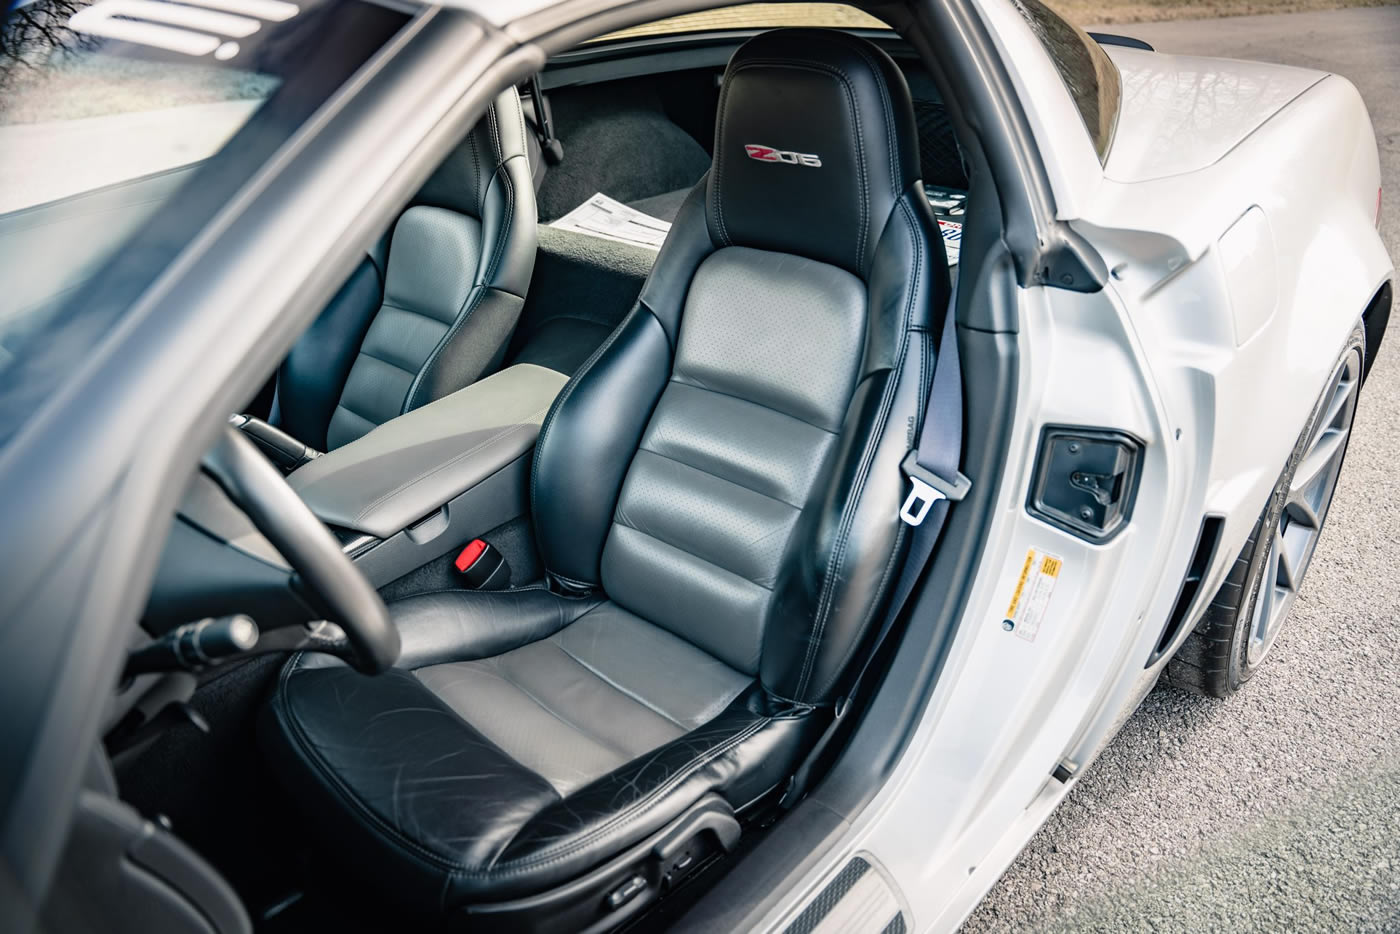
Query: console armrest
{"type": "Point", "coordinates": [412, 466]}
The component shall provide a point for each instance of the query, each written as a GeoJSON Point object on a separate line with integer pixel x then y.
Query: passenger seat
{"type": "Point", "coordinates": [434, 310]}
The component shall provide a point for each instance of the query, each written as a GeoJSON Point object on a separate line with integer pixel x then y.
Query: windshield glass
{"type": "Point", "coordinates": [755, 16]}
{"type": "Point", "coordinates": [125, 125]}
{"type": "Point", "coordinates": [64, 97]}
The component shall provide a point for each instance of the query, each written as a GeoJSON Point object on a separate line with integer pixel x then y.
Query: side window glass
{"type": "Point", "coordinates": [1088, 73]}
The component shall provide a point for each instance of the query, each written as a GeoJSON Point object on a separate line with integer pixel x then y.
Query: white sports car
{"type": "Point", "coordinates": [688, 474]}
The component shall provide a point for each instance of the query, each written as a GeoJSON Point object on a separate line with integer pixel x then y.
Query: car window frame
{"type": "Point", "coordinates": [97, 473]}
{"type": "Point", "coordinates": [1098, 105]}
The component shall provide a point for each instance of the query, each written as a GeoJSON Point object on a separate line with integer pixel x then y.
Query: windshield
{"type": "Point", "coordinates": [755, 16]}
{"type": "Point", "coordinates": [125, 125]}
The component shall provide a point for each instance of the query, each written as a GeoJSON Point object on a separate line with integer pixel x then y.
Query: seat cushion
{"type": "Point", "coordinates": [523, 738]}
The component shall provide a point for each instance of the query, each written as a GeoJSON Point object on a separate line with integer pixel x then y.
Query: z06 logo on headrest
{"type": "Point", "coordinates": [769, 154]}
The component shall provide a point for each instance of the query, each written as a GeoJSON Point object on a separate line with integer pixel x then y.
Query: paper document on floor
{"type": "Point", "coordinates": [601, 216]}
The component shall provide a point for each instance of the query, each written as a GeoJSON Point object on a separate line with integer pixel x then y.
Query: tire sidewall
{"type": "Point", "coordinates": [1240, 668]}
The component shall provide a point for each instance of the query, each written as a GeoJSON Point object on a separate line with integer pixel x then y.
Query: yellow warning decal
{"type": "Point", "coordinates": [1021, 584]}
{"type": "Point", "coordinates": [1030, 601]}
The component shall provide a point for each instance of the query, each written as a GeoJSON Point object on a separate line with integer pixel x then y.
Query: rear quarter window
{"type": "Point", "coordinates": [1088, 73]}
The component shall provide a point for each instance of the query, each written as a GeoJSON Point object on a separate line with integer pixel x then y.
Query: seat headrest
{"type": "Point", "coordinates": [814, 143]}
{"type": "Point", "coordinates": [460, 182]}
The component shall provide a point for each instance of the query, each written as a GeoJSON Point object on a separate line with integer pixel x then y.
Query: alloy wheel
{"type": "Point", "coordinates": [1300, 524]}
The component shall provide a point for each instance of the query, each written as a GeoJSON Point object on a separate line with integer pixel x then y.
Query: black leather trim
{"type": "Point", "coordinates": [437, 815]}
{"type": "Point", "coordinates": [587, 442]}
{"type": "Point", "coordinates": [487, 178]}
{"type": "Point", "coordinates": [467, 354]}
{"type": "Point", "coordinates": [310, 379]}
{"type": "Point", "coordinates": [452, 626]}
{"type": "Point", "coordinates": [476, 342]}
{"type": "Point", "coordinates": [686, 246]}
{"type": "Point", "coordinates": [811, 94]}
{"type": "Point", "coordinates": [825, 602]}
{"type": "Point", "coordinates": [742, 753]}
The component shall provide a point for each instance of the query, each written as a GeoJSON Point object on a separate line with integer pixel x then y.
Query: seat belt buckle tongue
{"type": "Point", "coordinates": [926, 489]}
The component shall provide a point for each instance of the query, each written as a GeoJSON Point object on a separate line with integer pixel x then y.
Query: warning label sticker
{"type": "Point", "coordinates": [1026, 611]}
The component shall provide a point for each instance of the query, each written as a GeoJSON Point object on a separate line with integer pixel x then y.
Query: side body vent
{"type": "Point", "coordinates": [1186, 599]}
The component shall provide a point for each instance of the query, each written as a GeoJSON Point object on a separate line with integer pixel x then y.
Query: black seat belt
{"type": "Point", "coordinates": [550, 147]}
{"type": "Point", "coordinates": [935, 483]}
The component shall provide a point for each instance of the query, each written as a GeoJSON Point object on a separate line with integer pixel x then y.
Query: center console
{"type": "Point", "coordinates": [430, 480]}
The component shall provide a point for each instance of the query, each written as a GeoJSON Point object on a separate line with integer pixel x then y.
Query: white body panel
{"type": "Point", "coordinates": [1180, 113]}
{"type": "Point", "coordinates": [1237, 211]}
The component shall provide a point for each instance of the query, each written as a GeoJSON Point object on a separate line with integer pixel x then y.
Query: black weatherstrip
{"type": "Point", "coordinates": [827, 900]}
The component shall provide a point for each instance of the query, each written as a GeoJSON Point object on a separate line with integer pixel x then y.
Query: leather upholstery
{"type": "Point", "coordinates": [391, 478]}
{"type": "Point", "coordinates": [866, 139]}
{"type": "Point", "coordinates": [715, 496]}
{"type": "Point", "coordinates": [523, 738]}
{"type": "Point", "coordinates": [436, 309]}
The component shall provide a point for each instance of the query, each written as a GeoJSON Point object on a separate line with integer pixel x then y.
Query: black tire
{"type": "Point", "coordinates": [1214, 658]}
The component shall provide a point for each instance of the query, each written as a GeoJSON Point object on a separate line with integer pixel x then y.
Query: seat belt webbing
{"type": "Point", "coordinates": [932, 469]}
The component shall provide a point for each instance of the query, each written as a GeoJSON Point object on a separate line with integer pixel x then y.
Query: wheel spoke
{"type": "Point", "coordinates": [1309, 492]}
{"type": "Point", "coordinates": [1341, 394]}
{"type": "Point", "coordinates": [1268, 593]}
{"type": "Point", "coordinates": [1300, 512]}
{"type": "Point", "coordinates": [1319, 459]}
{"type": "Point", "coordinates": [1285, 578]}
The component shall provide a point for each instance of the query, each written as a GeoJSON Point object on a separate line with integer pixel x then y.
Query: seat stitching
{"type": "Point", "coordinates": [717, 174]}
{"type": "Point", "coordinates": [479, 190]}
{"type": "Point", "coordinates": [504, 676]}
{"type": "Point", "coordinates": [825, 601]}
{"type": "Point", "coordinates": [682, 380]}
{"type": "Point", "coordinates": [440, 590]}
{"type": "Point", "coordinates": [363, 418]}
{"type": "Point", "coordinates": [641, 701]}
{"type": "Point", "coordinates": [520, 115]}
{"type": "Point", "coordinates": [387, 303]}
{"type": "Point", "coordinates": [404, 369]}
{"type": "Point", "coordinates": [888, 108]}
{"type": "Point", "coordinates": [657, 538]}
{"type": "Point", "coordinates": [710, 473]}
{"type": "Point", "coordinates": [626, 816]}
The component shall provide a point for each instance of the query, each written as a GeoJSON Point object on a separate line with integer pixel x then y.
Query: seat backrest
{"type": "Point", "coordinates": [435, 312]}
{"type": "Point", "coordinates": [727, 465]}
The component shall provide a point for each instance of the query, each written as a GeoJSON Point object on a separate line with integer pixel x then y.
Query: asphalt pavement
{"type": "Point", "coordinates": [1279, 809]}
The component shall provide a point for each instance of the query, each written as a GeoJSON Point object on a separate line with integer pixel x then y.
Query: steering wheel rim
{"type": "Point", "coordinates": [330, 577]}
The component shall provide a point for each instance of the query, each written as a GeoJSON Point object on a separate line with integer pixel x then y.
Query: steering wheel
{"type": "Point", "coordinates": [329, 578]}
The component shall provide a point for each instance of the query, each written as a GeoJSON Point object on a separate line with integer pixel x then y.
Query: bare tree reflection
{"type": "Point", "coordinates": [33, 33]}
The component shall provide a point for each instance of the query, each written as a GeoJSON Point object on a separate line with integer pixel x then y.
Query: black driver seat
{"type": "Point", "coordinates": [715, 496]}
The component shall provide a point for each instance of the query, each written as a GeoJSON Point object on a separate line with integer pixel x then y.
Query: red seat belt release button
{"type": "Point", "coordinates": [474, 550]}
{"type": "Point", "coordinates": [482, 566]}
